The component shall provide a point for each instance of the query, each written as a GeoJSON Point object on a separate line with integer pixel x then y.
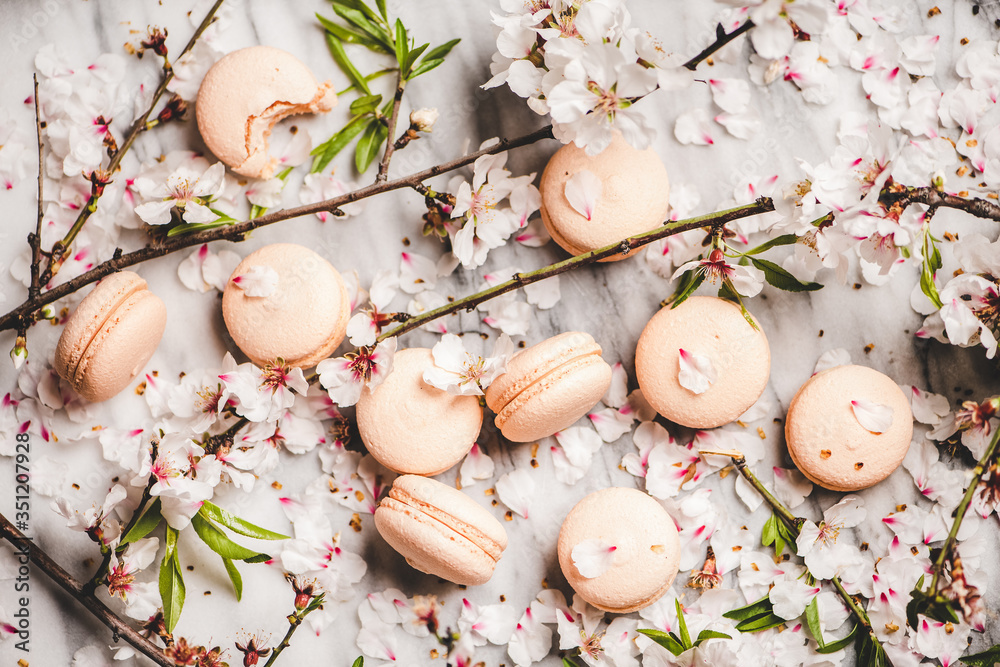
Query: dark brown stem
{"type": "Point", "coordinates": [936, 199]}
{"type": "Point", "coordinates": [75, 589]}
{"type": "Point", "coordinates": [623, 247]}
{"type": "Point", "coordinates": [238, 231]}
{"type": "Point", "coordinates": [35, 241]}
{"type": "Point", "coordinates": [390, 146]}
{"type": "Point", "coordinates": [721, 39]}
{"type": "Point", "coordinates": [138, 127]}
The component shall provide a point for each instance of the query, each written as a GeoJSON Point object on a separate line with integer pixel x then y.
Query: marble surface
{"type": "Point", "coordinates": [613, 302]}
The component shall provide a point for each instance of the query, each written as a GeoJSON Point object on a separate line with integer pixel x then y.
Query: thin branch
{"type": "Point", "coordinates": [623, 247]}
{"type": "Point", "coordinates": [35, 241]}
{"type": "Point", "coordinates": [294, 621]}
{"type": "Point", "coordinates": [935, 199]}
{"type": "Point", "coordinates": [721, 39]}
{"type": "Point", "coordinates": [238, 231]}
{"type": "Point", "coordinates": [960, 511]}
{"type": "Point", "coordinates": [390, 144]}
{"type": "Point", "coordinates": [75, 589]}
{"type": "Point", "coordinates": [138, 127]}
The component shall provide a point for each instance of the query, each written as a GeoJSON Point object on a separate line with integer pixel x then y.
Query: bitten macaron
{"type": "Point", "coordinates": [628, 187]}
{"type": "Point", "coordinates": [299, 315]}
{"type": "Point", "coordinates": [440, 530]}
{"type": "Point", "coordinates": [110, 336]}
{"type": "Point", "coordinates": [619, 549]}
{"type": "Point", "coordinates": [848, 427]}
{"type": "Point", "coordinates": [548, 386]}
{"type": "Point", "coordinates": [702, 364]}
{"type": "Point", "coordinates": [410, 426]}
{"type": "Point", "coordinates": [242, 97]}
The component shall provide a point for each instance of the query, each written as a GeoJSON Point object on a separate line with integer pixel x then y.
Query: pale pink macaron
{"type": "Point", "coordinates": [548, 386]}
{"type": "Point", "coordinates": [110, 336]}
{"type": "Point", "coordinates": [827, 441]}
{"type": "Point", "coordinates": [626, 545]}
{"type": "Point", "coordinates": [440, 530]}
{"type": "Point", "coordinates": [410, 426]}
{"type": "Point", "coordinates": [710, 334]}
{"type": "Point", "coordinates": [242, 97]}
{"type": "Point", "coordinates": [633, 198]}
{"type": "Point", "coordinates": [301, 320]}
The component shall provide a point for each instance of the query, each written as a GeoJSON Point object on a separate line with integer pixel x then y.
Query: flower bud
{"type": "Point", "coordinates": [20, 352]}
{"type": "Point", "coordinates": [422, 120]}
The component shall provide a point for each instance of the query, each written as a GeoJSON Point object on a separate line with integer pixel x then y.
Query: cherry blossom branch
{"type": "Point", "coordinates": [794, 524]}
{"type": "Point", "coordinates": [237, 232]}
{"type": "Point", "coordinates": [294, 621]}
{"type": "Point", "coordinates": [139, 126]}
{"type": "Point", "coordinates": [935, 199]}
{"type": "Point", "coordinates": [390, 144]}
{"type": "Point", "coordinates": [977, 474]}
{"type": "Point", "coordinates": [35, 240]}
{"type": "Point", "coordinates": [76, 590]}
{"type": "Point", "coordinates": [623, 247]}
{"type": "Point", "coordinates": [721, 39]}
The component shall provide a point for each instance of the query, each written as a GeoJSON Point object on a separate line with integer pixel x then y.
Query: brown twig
{"type": "Point", "coordinates": [721, 39]}
{"type": "Point", "coordinates": [390, 145]}
{"type": "Point", "coordinates": [294, 621]}
{"type": "Point", "coordinates": [35, 240]}
{"type": "Point", "coordinates": [238, 231]}
{"type": "Point", "coordinates": [139, 126]}
{"type": "Point", "coordinates": [76, 590]}
{"type": "Point", "coordinates": [623, 247]}
{"type": "Point", "coordinates": [936, 199]}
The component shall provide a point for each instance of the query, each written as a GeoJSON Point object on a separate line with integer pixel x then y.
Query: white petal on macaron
{"type": "Point", "coordinates": [260, 280]}
{"type": "Point", "coordinates": [696, 373]}
{"type": "Point", "coordinates": [583, 190]}
{"type": "Point", "coordinates": [593, 558]}
{"type": "Point", "coordinates": [872, 416]}
{"type": "Point", "coordinates": [838, 356]}
{"type": "Point", "coordinates": [515, 490]}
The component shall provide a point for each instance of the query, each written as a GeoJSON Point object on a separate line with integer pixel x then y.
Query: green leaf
{"type": "Point", "coordinates": [763, 622]}
{"type": "Point", "coordinates": [357, 5]}
{"type": "Point", "coordinates": [327, 151]}
{"type": "Point", "coordinates": [365, 104]}
{"type": "Point", "coordinates": [257, 211]}
{"type": "Point", "coordinates": [936, 607]}
{"type": "Point", "coordinates": [929, 267]}
{"type": "Point", "coordinates": [234, 576]}
{"type": "Point", "coordinates": [761, 606]}
{"type": "Point", "coordinates": [212, 511]}
{"type": "Point", "coordinates": [218, 541]}
{"type": "Point", "coordinates": [146, 524]}
{"type": "Point", "coordinates": [441, 52]}
{"type": "Point", "coordinates": [770, 532]}
{"type": "Point", "coordinates": [686, 286]}
{"type": "Point", "coordinates": [666, 640]}
{"type": "Point", "coordinates": [350, 36]}
{"type": "Point", "coordinates": [870, 651]}
{"type": "Point", "coordinates": [569, 663]}
{"type": "Point", "coordinates": [381, 10]}
{"type": "Point", "coordinates": [839, 644]}
{"type": "Point", "coordinates": [784, 239]}
{"type": "Point", "coordinates": [172, 591]}
{"type": "Point", "coordinates": [411, 58]}
{"type": "Point", "coordinates": [682, 622]}
{"type": "Point", "coordinates": [402, 46]}
{"type": "Point", "coordinates": [188, 227]}
{"type": "Point", "coordinates": [360, 662]}
{"type": "Point", "coordinates": [782, 279]}
{"type": "Point", "coordinates": [359, 20]}
{"type": "Point", "coordinates": [426, 65]}
{"type": "Point", "coordinates": [705, 635]}
{"type": "Point", "coordinates": [987, 658]}
{"type": "Point", "coordinates": [340, 57]}
{"type": "Point", "coordinates": [812, 620]}
{"type": "Point", "coordinates": [368, 145]}
{"type": "Point", "coordinates": [259, 558]}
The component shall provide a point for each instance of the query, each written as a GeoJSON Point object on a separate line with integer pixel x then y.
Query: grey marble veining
{"type": "Point", "coordinates": [611, 301]}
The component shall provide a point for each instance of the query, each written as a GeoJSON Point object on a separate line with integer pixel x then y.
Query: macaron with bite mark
{"type": "Point", "coordinates": [412, 427]}
{"type": "Point", "coordinates": [829, 425]}
{"type": "Point", "coordinates": [110, 336]}
{"type": "Point", "coordinates": [619, 549]}
{"type": "Point", "coordinates": [548, 386]}
{"type": "Point", "coordinates": [440, 530]}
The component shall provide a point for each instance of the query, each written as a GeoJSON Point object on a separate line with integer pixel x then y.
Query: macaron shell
{"type": "Point", "coordinates": [440, 530]}
{"type": "Point", "coordinates": [634, 196]}
{"type": "Point", "coordinates": [555, 401]}
{"type": "Point", "coordinates": [827, 443]}
{"type": "Point", "coordinates": [714, 328]}
{"type": "Point", "coordinates": [90, 316]}
{"type": "Point", "coordinates": [647, 555]}
{"type": "Point", "coordinates": [529, 365]}
{"type": "Point", "coordinates": [302, 321]}
{"type": "Point", "coordinates": [244, 94]}
{"type": "Point", "coordinates": [122, 347]}
{"type": "Point", "coordinates": [410, 426]}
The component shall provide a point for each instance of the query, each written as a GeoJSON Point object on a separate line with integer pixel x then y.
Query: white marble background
{"type": "Point", "coordinates": [613, 302]}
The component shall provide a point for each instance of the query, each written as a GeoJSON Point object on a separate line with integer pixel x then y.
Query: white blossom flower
{"type": "Point", "coordinates": [824, 555]}
{"type": "Point", "coordinates": [458, 371]}
{"type": "Point", "coordinates": [97, 522]}
{"type": "Point", "coordinates": [141, 599]}
{"type": "Point", "coordinates": [345, 378]}
{"type": "Point", "coordinates": [188, 190]}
